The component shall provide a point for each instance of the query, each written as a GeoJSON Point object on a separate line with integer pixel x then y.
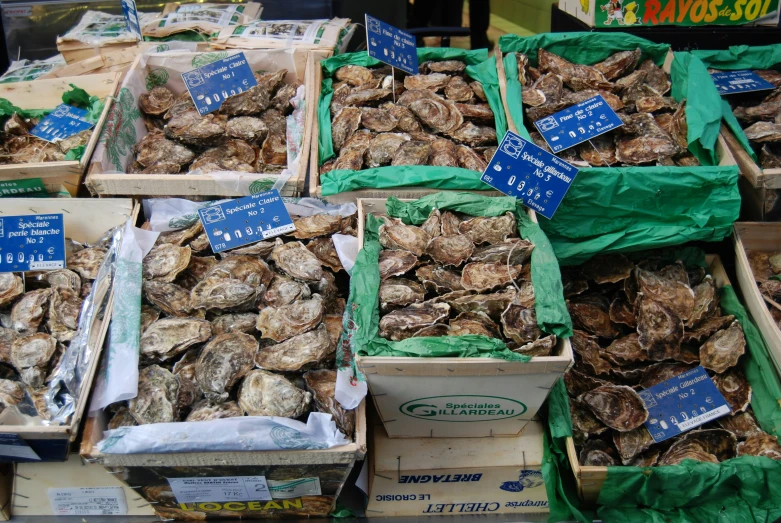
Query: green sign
{"type": "Point", "coordinates": [463, 408]}
{"type": "Point", "coordinates": [29, 188]}
{"type": "Point", "coordinates": [649, 13]}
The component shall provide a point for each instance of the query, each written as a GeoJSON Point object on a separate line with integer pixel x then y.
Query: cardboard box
{"type": "Point", "coordinates": [456, 476]}
{"type": "Point", "coordinates": [36, 483]}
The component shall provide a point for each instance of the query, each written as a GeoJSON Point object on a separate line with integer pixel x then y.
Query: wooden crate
{"type": "Point", "coordinates": [114, 61]}
{"type": "Point", "coordinates": [758, 236]}
{"type": "Point", "coordinates": [34, 481]}
{"type": "Point", "coordinates": [755, 181]}
{"type": "Point", "coordinates": [316, 189]}
{"type": "Point", "coordinates": [591, 479]}
{"type": "Point", "coordinates": [147, 474]}
{"type": "Point", "coordinates": [47, 94]}
{"type": "Point", "coordinates": [396, 382]}
{"type": "Point", "coordinates": [86, 220]}
{"type": "Point", "coordinates": [102, 183]}
{"type": "Point", "coordinates": [75, 52]}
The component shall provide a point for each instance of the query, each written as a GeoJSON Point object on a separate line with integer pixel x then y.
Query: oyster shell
{"type": "Point", "coordinates": [11, 287]}
{"type": "Point", "coordinates": [764, 132]}
{"type": "Point", "coordinates": [443, 154]}
{"type": "Point", "coordinates": [705, 301]}
{"type": "Point", "coordinates": [483, 277]}
{"type": "Point", "coordinates": [469, 159]}
{"type": "Point", "coordinates": [64, 311]}
{"type": "Point", "coordinates": [87, 262]}
{"type": "Point", "coordinates": [540, 347]}
{"type": "Point", "coordinates": [251, 129]}
{"type": "Point", "coordinates": [274, 150]}
{"type": "Point", "coordinates": [491, 230]}
{"type": "Point", "coordinates": [597, 453]}
{"type": "Point", "coordinates": [578, 77]}
{"type": "Point", "coordinates": [64, 279]}
{"type": "Point", "coordinates": [297, 353]}
{"type": "Point", "coordinates": [297, 262]}
{"type": "Point", "coordinates": [412, 152]}
{"type": "Point", "coordinates": [403, 323]}
{"type": "Point", "coordinates": [474, 323]}
{"type": "Point", "coordinates": [181, 236]}
{"type": "Point", "coordinates": [626, 350]}
{"type": "Point", "coordinates": [584, 420]}
{"type": "Point", "coordinates": [610, 268]}
{"type": "Point", "coordinates": [378, 119]}
{"type": "Point", "coordinates": [252, 101]}
{"type": "Point", "coordinates": [28, 312]}
{"type": "Point", "coordinates": [325, 251]}
{"type": "Point", "coordinates": [231, 155]}
{"type": "Point", "coordinates": [618, 65]}
{"type": "Point", "coordinates": [31, 355]}
{"type": "Point", "coordinates": [648, 458]}
{"type": "Point", "coordinates": [440, 115]}
{"type": "Point", "coordinates": [519, 323]}
{"type": "Point", "coordinates": [633, 443]}
{"type": "Point", "coordinates": [706, 328]}
{"type": "Point", "coordinates": [439, 279]}
{"type": "Point", "coordinates": [284, 291]}
{"type": "Point", "coordinates": [622, 312]}
{"type": "Point", "coordinates": [235, 322]}
{"type": "Point", "coordinates": [122, 418]}
{"type": "Point", "coordinates": [394, 234]}
{"type": "Point", "coordinates": [578, 382]}
{"type": "Point", "coordinates": [367, 96]}
{"type": "Point", "coordinates": [203, 411]}
{"type": "Point", "coordinates": [735, 388]}
{"type": "Point", "coordinates": [316, 225]}
{"type": "Point", "coordinates": [355, 75]}
{"type": "Point", "coordinates": [7, 337]}
{"type": "Point", "coordinates": [681, 450]}
{"type": "Point", "coordinates": [433, 81]}
{"type": "Point", "coordinates": [674, 295]}
{"type": "Point", "coordinates": [574, 282]}
{"type": "Point", "coordinates": [266, 394]}
{"type": "Point", "coordinates": [590, 312]}
{"type": "Point", "coordinates": [169, 337]}
{"type": "Point", "coordinates": [169, 297]}
{"type": "Point", "coordinates": [157, 101]}
{"type": "Point", "coordinates": [149, 315]}
{"type": "Point", "coordinates": [192, 128]}
{"type": "Point", "coordinates": [761, 444]}
{"type": "Point", "coordinates": [742, 425]}
{"type": "Point", "coordinates": [660, 330]}
{"type": "Point", "coordinates": [617, 406]}
{"type": "Point", "coordinates": [590, 353]}
{"type": "Point", "coordinates": [474, 135]}
{"type": "Point", "coordinates": [649, 144]}
{"type": "Point", "coordinates": [223, 362]}
{"type": "Point", "coordinates": [383, 148]}
{"type": "Point", "coordinates": [722, 350]}
{"type": "Point", "coordinates": [345, 123]}
{"type": "Point", "coordinates": [165, 261]}
{"type": "Point", "coordinates": [656, 374]}
{"type": "Point", "coordinates": [322, 384]}
{"type": "Point", "coordinates": [189, 390]}
{"type": "Point", "coordinates": [450, 250]}
{"type": "Point", "coordinates": [287, 321]}
{"type": "Point", "coordinates": [491, 304]}
{"type": "Point", "coordinates": [513, 251]}
{"type": "Point", "coordinates": [156, 399]}
{"type": "Point", "coordinates": [433, 224]}
{"type": "Point", "coordinates": [400, 292]}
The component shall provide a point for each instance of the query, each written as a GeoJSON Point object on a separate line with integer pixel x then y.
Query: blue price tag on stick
{"type": "Point", "coordinates": [246, 220]}
{"type": "Point", "coordinates": [578, 123]}
{"type": "Point", "coordinates": [745, 81]}
{"type": "Point", "coordinates": [391, 45]}
{"type": "Point", "coordinates": [62, 123]}
{"type": "Point", "coordinates": [682, 403]}
{"type": "Point", "coordinates": [521, 169]}
{"type": "Point", "coordinates": [211, 84]}
{"type": "Point", "coordinates": [32, 243]}
{"type": "Point", "coordinates": [132, 21]}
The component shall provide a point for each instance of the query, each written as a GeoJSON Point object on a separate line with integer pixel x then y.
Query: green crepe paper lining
{"type": "Point", "coordinates": [551, 310]}
{"type": "Point", "coordinates": [479, 67]}
{"type": "Point", "coordinates": [734, 59]}
{"type": "Point", "coordinates": [690, 78]}
{"type": "Point", "coordinates": [740, 489]}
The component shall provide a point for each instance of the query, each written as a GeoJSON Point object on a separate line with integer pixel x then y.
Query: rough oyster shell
{"type": "Point", "coordinates": [656, 374]}
{"type": "Point", "coordinates": [719, 443]}
{"type": "Point", "coordinates": [597, 453]}
{"type": "Point", "coordinates": [260, 249]}
{"type": "Point", "coordinates": [513, 251]}
{"type": "Point", "coordinates": [761, 444]}
{"type": "Point", "coordinates": [156, 399]}
{"type": "Point", "coordinates": [735, 388]}
{"type": "Point", "coordinates": [742, 425]}
{"type": "Point", "coordinates": [266, 394]}
{"type": "Point", "coordinates": [149, 315]}
{"type": "Point", "coordinates": [11, 287]}
{"type": "Point", "coordinates": [167, 338]}
{"type": "Point", "coordinates": [590, 352]}
{"type": "Point", "coordinates": [284, 291]}
{"type": "Point", "coordinates": [626, 350]}
{"type": "Point", "coordinates": [438, 114]}
{"type": "Point", "coordinates": [450, 250]}
{"type": "Point", "coordinates": [489, 229]}
{"type": "Point", "coordinates": [378, 120]}
{"type": "Point", "coordinates": [660, 330]}
{"type": "Point", "coordinates": [192, 128]}
{"type": "Point", "coordinates": [723, 349]}
{"type": "Point", "coordinates": [622, 312]}
{"type": "Point", "coordinates": [30, 356]}
{"type": "Point", "coordinates": [412, 152]}
{"type": "Point", "coordinates": [231, 155]}
{"type": "Point", "coordinates": [252, 101]}
{"type": "Point", "coordinates": [519, 323]}
{"type": "Point", "coordinates": [403, 323]}
{"type": "Point", "coordinates": [618, 65]}
{"type": "Point", "coordinates": [274, 150]}
{"type": "Point", "coordinates": [344, 124]}
{"type": "Point", "coordinates": [87, 262]}
{"type": "Point", "coordinates": [234, 322]}
{"type": "Point", "coordinates": [251, 129]}
{"type": "Point", "coordinates": [400, 292]}
{"type": "Point", "coordinates": [181, 236]}
{"type": "Point", "coordinates": [578, 382]}
{"type": "Point", "coordinates": [707, 327]}
{"type": "Point", "coordinates": [165, 261]}
{"type": "Point", "coordinates": [383, 148]}
{"type": "Point", "coordinates": [28, 312]}
{"type": "Point", "coordinates": [157, 101]}
{"type": "Point", "coordinates": [189, 390]}
{"type": "Point", "coordinates": [64, 311]}
{"type": "Point", "coordinates": [297, 262]}
{"type": "Point", "coordinates": [705, 301]}
{"type": "Point", "coordinates": [617, 406]}
{"type": "Point", "coordinates": [122, 418]}
{"type": "Point", "coordinates": [7, 337]}
{"type": "Point", "coordinates": [394, 234]}
{"type": "Point", "coordinates": [764, 132]}
{"type": "Point", "coordinates": [540, 347]}
{"type": "Point", "coordinates": [325, 250]}
{"type": "Point", "coordinates": [396, 263]}
{"type": "Point", "coordinates": [474, 135]}
{"type": "Point", "coordinates": [169, 297]}
{"type": "Point", "coordinates": [474, 323]}
{"type": "Point", "coordinates": [469, 159]}
{"type": "Point", "coordinates": [483, 277]}
{"type": "Point", "coordinates": [298, 353]}
{"type": "Point", "coordinates": [491, 304]}
{"type": "Point", "coordinates": [584, 420]}
{"type": "Point", "coordinates": [223, 362]}
{"type": "Point", "coordinates": [590, 312]}
{"type": "Point", "coordinates": [322, 384]}
{"type": "Point", "coordinates": [633, 443]}
{"type": "Point", "coordinates": [355, 75]}
{"type": "Point", "coordinates": [439, 279]}
{"type": "Point", "coordinates": [443, 153]}
{"type": "Point", "coordinates": [578, 77]}
{"type": "Point", "coordinates": [674, 295]}
{"type": "Point", "coordinates": [59, 279]}
{"type": "Point", "coordinates": [610, 268]}
{"type": "Point", "coordinates": [203, 411]}
{"type": "Point", "coordinates": [316, 225]}
{"type": "Point", "coordinates": [287, 321]}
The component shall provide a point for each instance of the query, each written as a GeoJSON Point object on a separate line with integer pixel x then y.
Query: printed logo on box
{"type": "Point", "coordinates": [463, 408]}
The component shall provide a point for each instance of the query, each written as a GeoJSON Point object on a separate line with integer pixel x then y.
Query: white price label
{"type": "Point", "coordinates": [88, 501]}
{"type": "Point", "coordinates": [235, 488]}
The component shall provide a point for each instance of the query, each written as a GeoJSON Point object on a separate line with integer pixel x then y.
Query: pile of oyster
{"type": "Point", "coordinates": [637, 325]}
{"type": "Point", "coordinates": [760, 115]}
{"type": "Point", "coordinates": [39, 316]}
{"type": "Point", "coordinates": [19, 146]}
{"type": "Point", "coordinates": [250, 331]}
{"type": "Point", "coordinates": [247, 133]}
{"type": "Point", "coordinates": [766, 268]}
{"type": "Point", "coordinates": [438, 118]}
{"type": "Point", "coordinates": [457, 275]}
{"type": "Point", "coordinates": [654, 130]}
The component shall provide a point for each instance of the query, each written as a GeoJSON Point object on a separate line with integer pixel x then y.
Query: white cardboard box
{"type": "Point", "coordinates": [455, 476]}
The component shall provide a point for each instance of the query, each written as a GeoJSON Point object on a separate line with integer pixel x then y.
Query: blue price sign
{"type": "Point", "coordinates": [578, 123]}
{"type": "Point", "coordinates": [14, 449]}
{"type": "Point", "coordinates": [32, 243]}
{"type": "Point", "coordinates": [681, 403]}
{"type": "Point", "coordinates": [63, 122]}
{"type": "Point", "coordinates": [211, 84]}
{"type": "Point", "coordinates": [745, 81]}
{"type": "Point", "coordinates": [521, 169]}
{"type": "Point", "coordinates": [390, 45]}
{"type": "Point", "coordinates": [130, 11]}
{"type": "Point", "coordinates": [246, 220]}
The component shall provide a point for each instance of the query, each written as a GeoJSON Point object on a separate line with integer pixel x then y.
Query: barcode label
{"type": "Point", "coordinates": [88, 501]}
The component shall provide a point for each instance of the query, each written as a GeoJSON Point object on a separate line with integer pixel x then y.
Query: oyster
{"type": "Point", "coordinates": [297, 262]}
{"type": "Point", "coordinates": [450, 223]}
{"type": "Point", "coordinates": [590, 353]}
{"type": "Point", "coordinates": [450, 250]}
{"type": "Point", "coordinates": [610, 268]}
{"type": "Point", "coordinates": [707, 327]}
{"type": "Point", "coordinates": [540, 347]}
{"type": "Point", "coordinates": [232, 155]}
{"type": "Point", "coordinates": [223, 362]}
{"type": "Point", "coordinates": [722, 350]}
{"type": "Point", "coordinates": [235, 322]}
{"type": "Point", "coordinates": [181, 236]}
{"type": "Point", "coordinates": [762, 132]}
{"type": "Point", "coordinates": [578, 77]}
{"type": "Point", "coordinates": [474, 323]}
{"type": "Point", "coordinates": [383, 148]}
{"type": "Point", "coordinates": [189, 390]}
{"type": "Point", "coordinates": [433, 81]}
{"type": "Point", "coordinates": [122, 418]}
{"type": "Point", "coordinates": [274, 150]}
{"type": "Point", "coordinates": [443, 153]}
{"type": "Point", "coordinates": [297, 353]}
{"type": "Point", "coordinates": [252, 101]}
{"type": "Point", "coordinates": [355, 75]}
{"type": "Point", "coordinates": [735, 388]}
{"type": "Point", "coordinates": [169, 297]}
{"type": "Point", "coordinates": [322, 384]}
{"type": "Point", "coordinates": [469, 159]}
{"type": "Point", "coordinates": [156, 399]}
{"type": "Point", "coordinates": [491, 304]}
{"type": "Point", "coordinates": [28, 312]}
{"type": "Point", "coordinates": [87, 262]}
{"type": "Point", "coordinates": [192, 128]}
{"type": "Point", "coordinates": [403, 323]}
{"type": "Point", "coordinates": [584, 420]}
{"type": "Point", "coordinates": [11, 287]}
{"type": "Point", "coordinates": [705, 301]}
{"type": "Point", "coordinates": [626, 350]}
{"type": "Point", "coordinates": [325, 250]}
{"type": "Point", "coordinates": [149, 315]}
{"type": "Point", "coordinates": [378, 120]}
{"type": "Point", "coordinates": [64, 279]}
{"type": "Point", "coordinates": [412, 152]}
{"type": "Point", "coordinates": [474, 135]}
{"type": "Point", "coordinates": [590, 312]}
{"type": "Point", "coordinates": [284, 291]}
{"type": "Point", "coordinates": [7, 337]}
{"type": "Point", "coordinates": [513, 251]}
{"type": "Point", "coordinates": [682, 450]}
{"type": "Point", "coordinates": [345, 123]}
{"type": "Point", "coordinates": [633, 443]}
{"type": "Point", "coordinates": [676, 296]}
{"type": "Point", "coordinates": [316, 225]}
{"type": "Point", "coordinates": [266, 394]}
{"type": "Point", "coordinates": [287, 321]}
{"type": "Point", "coordinates": [203, 411]}
{"type": "Point", "coordinates": [483, 277]}
{"type": "Point", "coordinates": [433, 224]}
{"type": "Point", "coordinates": [578, 382]}
{"type": "Point", "coordinates": [394, 234]}
{"type": "Point", "coordinates": [251, 129]}
{"type": "Point", "coordinates": [574, 282]}
{"type": "Point", "coordinates": [64, 311]}
{"type": "Point", "coordinates": [440, 115]}
{"type": "Point", "coordinates": [156, 102]}
{"type": "Point", "coordinates": [649, 143]}
{"type": "Point", "coordinates": [618, 65]}
{"type": "Point", "coordinates": [31, 355]}
{"type": "Point", "coordinates": [165, 261]}
{"type": "Point", "coordinates": [491, 230]}
{"type": "Point", "coordinates": [519, 323]}
{"type": "Point", "coordinates": [597, 453]}
{"type": "Point", "coordinates": [439, 279]}
{"type": "Point", "coordinates": [660, 331]}
{"type": "Point", "coordinates": [617, 406]}
{"type": "Point", "coordinates": [622, 312]}
{"type": "Point", "coordinates": [761, 444]}
{"type": "Point", "coordinates": [167, 338]}
{"type": "Point", "coordinates": [742, 425]}
{"type": "Point", "coordinates": [400, 292]}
